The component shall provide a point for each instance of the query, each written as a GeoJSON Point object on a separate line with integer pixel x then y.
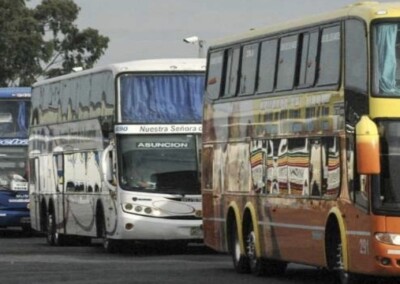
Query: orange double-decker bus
{"type": "Point", "coordinates": [301, 144]}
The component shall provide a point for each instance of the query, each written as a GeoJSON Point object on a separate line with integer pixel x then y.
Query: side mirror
{"type": "Point", "coordinates": [367, 147]}
{"type": "Point", "coordinates": [107, 167]}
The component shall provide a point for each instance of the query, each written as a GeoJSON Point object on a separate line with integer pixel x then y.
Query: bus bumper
{"type": "Point", "coordinates": [14, 218]}
{"type": "Point", "coordinates": [135, 227]}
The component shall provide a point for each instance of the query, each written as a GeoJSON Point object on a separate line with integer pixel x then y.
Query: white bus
{"type": "Point", "coordinates": [114, 153]}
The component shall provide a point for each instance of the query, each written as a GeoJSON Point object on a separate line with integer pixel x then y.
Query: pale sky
{"type": "Point", "coordinates": [141, 29]}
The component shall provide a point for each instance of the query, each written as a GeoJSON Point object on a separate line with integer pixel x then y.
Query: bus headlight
{"type": "Point", "coordinates": [141, 209]}
{"type": "Point", "coordinates": [387, 238]}
{"type": "Point", "coordinates": [128, 206]}
{"type": "Point", "coordinates": [148, 210]}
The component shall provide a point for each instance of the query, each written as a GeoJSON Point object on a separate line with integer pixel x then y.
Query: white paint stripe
{"type": "Point", "coordinates": [295, 226]}
{"type": "Point", "coordinates": [359, 233]}
{"type": "Point", "coordinates": [292, 226]}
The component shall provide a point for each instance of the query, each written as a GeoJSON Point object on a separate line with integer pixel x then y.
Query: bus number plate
{"type": "Point", "coordinates": [196, 232]}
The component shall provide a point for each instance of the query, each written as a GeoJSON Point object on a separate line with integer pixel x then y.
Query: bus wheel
{"type": "Point", "coordinates": [240, 261]}
{"type": "Point", "coordinates": [53, 237]}
{"type": "Point", "coordinates": [109, 245]}
{"type": "Point", "coordinates": [51, 229]}
{"type": "Point", "coordinates": [343, 276]}
{"type": "Point", "coordinates": [260, 266]}
{"type": "Point", "coordinates": [256, 264]}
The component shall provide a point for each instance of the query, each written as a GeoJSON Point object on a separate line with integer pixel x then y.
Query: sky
{"type": "Point", "coordinates": [143, 29]}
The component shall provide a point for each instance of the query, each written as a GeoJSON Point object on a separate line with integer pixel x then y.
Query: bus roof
{"type": "Point", "coordinates": [15, 92]}
{"type": "Point", "coordinates": [165, 64]}
{"type": "Point", "coordinates": [364, 9]}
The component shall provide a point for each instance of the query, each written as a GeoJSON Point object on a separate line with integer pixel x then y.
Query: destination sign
{"type": "Point", "coordinates": [13, 141]}
{"type": "Point", "coordinates": [158, 129]}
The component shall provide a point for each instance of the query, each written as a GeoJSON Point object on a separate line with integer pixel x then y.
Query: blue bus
{"type": "Point", "coordinates": [14, 121]}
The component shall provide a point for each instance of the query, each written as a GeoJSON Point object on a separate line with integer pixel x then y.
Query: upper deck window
{"type": "Point", "coordinates": [249, 69]}
{"type": "Point", "coordinates": [308, 59]}
{"type": "Point", "coordinates": [386, 59]}
{"type": "Point", "coordinates": [162, 98]}
{"type": "Point", "coordinates": [232, 72]}
{"type": "Point", "coordinates": [214, 75]}
{"type": "Point", "coordinates": [329, 67]}
{"type": "Point", "coordinates": [267, 66]}
{"type": "Point", "coordinates": [287, 63]}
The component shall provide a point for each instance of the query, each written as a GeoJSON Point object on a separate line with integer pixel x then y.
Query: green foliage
{"type": "Point", "coordinates": [44, 41]}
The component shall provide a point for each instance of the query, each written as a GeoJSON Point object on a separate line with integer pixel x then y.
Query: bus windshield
{"type": "Point", "coordinates": [386, 44]}
{"type": "Point", "coordinates": [12, 165]}
{"type": "Point", "coordinates": [14, 117]}
{"type": "Point", "coordinates": [159, 163]}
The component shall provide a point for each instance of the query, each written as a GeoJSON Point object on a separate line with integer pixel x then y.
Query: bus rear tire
{"type": "Point", "coordinates": [256, 264]}
{"type": "Point", "coordinates": [240, 261]}
{"type": "Point", "coordinates": [51, 229]}
{"type": "Point", "coordinates": [260, 266]}
{"type": "Point", "coordinates": [53, 237]}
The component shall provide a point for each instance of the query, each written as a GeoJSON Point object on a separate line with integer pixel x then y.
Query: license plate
{"type": "Point", "coordinates": [196, 232]}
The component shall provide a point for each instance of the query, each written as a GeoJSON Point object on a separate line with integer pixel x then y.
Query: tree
{"type": "Point", "coordinates": [44, 41]}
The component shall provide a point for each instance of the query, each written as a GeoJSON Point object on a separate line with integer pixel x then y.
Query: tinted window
{"type": "Point", "coordinates": [287, 63]}
{"type": "Point", "coordinates": [356, 56]}
{"type": "Point", "coordinates": [249, 69]}
{"type": "Point", "coordinates": [267, 66]}
{"type": "Point", "coordinates": [232, 68]}
{"type": "Point", "coordinates": [214, 74]}
{"type": "Point", "coordinates": [330, 56]}
{"type": "Point", "coordinates": [308, 59]}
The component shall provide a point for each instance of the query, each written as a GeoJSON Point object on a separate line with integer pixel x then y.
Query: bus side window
{"type": "Point", "coordinates": [232, 72]}
{"type": "Point", "coordinates": [214, 75]}
{"type": "Point", "coordinates": [308, 63]}
{"type": "Point", "coordinates": [248, 69]}
{"type": "Point", "coordinates": [70, 187]}
{"type": "Point", "coordinates": [356, 58]}
{"type": "Point", "coordinates": [329, 64]}
{"type": "Point", "coordinates": [287, 62]}
{"type": "Point", "coordinates": [267, 66]}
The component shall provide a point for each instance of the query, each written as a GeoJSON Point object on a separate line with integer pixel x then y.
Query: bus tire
{"type": "Point", "coordinates": [109, 245]}
{"type": "Point", "coordinates": [53, 237]}
{"type": "Point", "coordinates": [256, 264]}
{"type": "Point", "coordinates": [240, 261]}
{"type": "Point", "coordinates": [260, 266]}
{"type": "Point", "coordinates": [343, 276]}
{"type": "Point", "coordinates": [51, 229]}
{"type": "Point", "coordinates": [335, 254]}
